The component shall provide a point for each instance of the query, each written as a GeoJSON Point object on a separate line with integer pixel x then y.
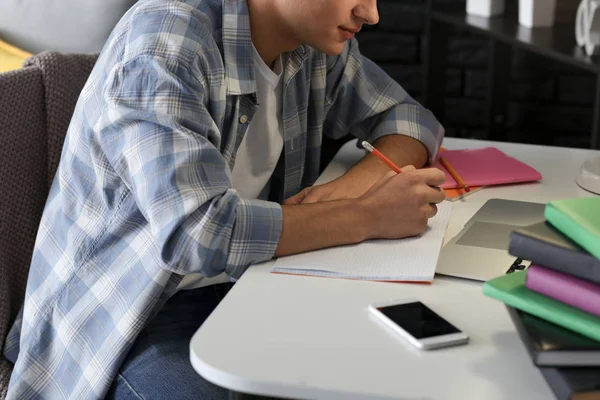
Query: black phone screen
{"type": "Point", "coordinates": [418, 320]}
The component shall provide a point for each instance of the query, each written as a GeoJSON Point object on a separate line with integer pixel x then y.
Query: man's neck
{"type": "Point", "coordinates": [269, 35]}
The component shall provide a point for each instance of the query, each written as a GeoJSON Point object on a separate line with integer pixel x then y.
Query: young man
{"type": "Point", "coordinates": [199, 118]}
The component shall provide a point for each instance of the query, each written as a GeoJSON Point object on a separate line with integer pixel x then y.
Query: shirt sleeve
{"type": "Point", "coordinates": [159, 136]}
{"type": "Point", "coordinates": [363, 100]}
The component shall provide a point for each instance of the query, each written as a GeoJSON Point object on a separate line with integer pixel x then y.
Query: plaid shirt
{"type": "Point", "coordinates": [143, 193]}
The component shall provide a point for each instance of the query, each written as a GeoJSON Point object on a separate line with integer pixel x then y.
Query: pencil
{"type": "Point", "coordinates": [369, 147]}
{"type": "Point", "coordinates": [454, 174]}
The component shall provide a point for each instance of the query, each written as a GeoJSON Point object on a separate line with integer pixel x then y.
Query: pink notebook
{"type": "Point", "coordinates": [485, 166]}
{"type": "Point", "coordinates": [565, 288]}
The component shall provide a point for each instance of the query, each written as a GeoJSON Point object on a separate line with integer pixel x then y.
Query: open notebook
{"type": "Point", "coordinates": [454, 194]}
{"type": "Point", "coordinates": [407, 260]}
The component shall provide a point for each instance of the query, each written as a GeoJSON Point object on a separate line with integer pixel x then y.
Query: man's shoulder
{"type": "Point", "coordinates": [170, 29]}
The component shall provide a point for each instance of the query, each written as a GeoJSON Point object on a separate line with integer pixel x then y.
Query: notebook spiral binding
{"type": "Point", "coordinates": [516, 266]}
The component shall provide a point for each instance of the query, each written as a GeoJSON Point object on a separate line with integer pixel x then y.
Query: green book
{"type": "Point", "coordinates": [579, 219]}
{"type": "Point", "coordinates": [511, 290]}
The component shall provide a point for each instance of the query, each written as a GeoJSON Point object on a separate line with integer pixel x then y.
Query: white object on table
{"type": "Point", "coordinates": [485, 8]}
{"type": "Point", "coordinates": [587, 26]}
{"type": "Point", "coordinates": [307, 337]}
{"type": "Point", "coordinates": [589, 175]}
{"type": "Point", "coordinates": [411, 259]}
{"type": "Point", "coordinates": [537, 13]}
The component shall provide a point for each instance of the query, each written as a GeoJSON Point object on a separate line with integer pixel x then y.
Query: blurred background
{"type": "Point", "coordinates": [547, 101]}
{"type": "Point", "coordinates": [483, 78]}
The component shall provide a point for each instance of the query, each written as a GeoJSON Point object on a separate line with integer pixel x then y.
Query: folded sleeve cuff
{"type": "Point", "coordinates": [413, 121]}
{"type": "Point", "coordinates": [255, 234]}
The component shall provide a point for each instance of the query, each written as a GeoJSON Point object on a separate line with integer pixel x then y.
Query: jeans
{"type": "Point", "coordinates": [158, 364]}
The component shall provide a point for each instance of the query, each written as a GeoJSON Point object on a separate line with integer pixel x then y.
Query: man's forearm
{"type": "Point", "coordinates": [314, 226]}
{"type": "Point", "coordinates": [402, 150]}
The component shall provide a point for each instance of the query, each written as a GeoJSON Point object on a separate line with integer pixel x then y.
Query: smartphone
{"type": "Point", "coordinates": [419, 324]}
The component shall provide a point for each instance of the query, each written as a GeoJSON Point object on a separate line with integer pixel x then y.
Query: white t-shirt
{"type": "Point", "coordinates": [259, 151]}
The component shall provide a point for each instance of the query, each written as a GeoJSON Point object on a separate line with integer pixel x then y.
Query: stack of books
{"type": "Point", "coordinates": [555, 303]}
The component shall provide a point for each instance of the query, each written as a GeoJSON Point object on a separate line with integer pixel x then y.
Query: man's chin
{"type": "Point", "coordinates": [333, 50]}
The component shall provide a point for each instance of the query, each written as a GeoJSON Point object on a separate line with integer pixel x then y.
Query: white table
{"type": "Point", "coordinates": [305, 337]}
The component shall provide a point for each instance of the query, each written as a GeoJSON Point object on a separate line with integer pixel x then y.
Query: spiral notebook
{"type": "Point", "coordinates": [406, 260]}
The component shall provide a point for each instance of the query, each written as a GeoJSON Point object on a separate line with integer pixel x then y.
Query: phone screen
{"type": "Point", "coordinates": [418, 320]}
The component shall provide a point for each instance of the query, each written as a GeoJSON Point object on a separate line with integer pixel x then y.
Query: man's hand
{"type": "Point", "coordinates": [396, 206]}
{"type": "Point", "coordinates": [366, 202]}
{"type": "Point", "coordinates": [342, 188]}
{"type": "Point", "coordinates": [314, 194]}
{"type": "Point", "coordinates": [402, 150]}
{"type": "Point", "coordinates": [399, 205]}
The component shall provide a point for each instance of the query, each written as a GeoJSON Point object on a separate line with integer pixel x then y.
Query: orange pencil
{"type": "Point", "coordinates": [454, 174]}
{"type": "Point", "coordinates": [369, 147]}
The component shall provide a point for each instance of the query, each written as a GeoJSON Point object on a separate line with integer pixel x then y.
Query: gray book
{"type": "Point", "coordinates": [573, 383]}
{"type": "Point", "coordinates": [550, 345]}
{"type": "Point", "coordinates": [544, 245]}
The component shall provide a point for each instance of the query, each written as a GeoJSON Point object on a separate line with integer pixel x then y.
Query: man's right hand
{"type": "Point", "coordinates": [399, 205]}
{"type": "Point", "coordinates": [396, 206]}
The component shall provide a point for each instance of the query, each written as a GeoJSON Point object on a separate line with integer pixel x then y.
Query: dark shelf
{"type": "Point", "coordinates": [504, 33]}
{"type": "Point", "coordinates": [556, 43]}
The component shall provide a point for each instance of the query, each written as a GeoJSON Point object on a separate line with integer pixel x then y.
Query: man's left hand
{"type": "Point", "coordinates": [363, 175]}
{"type": "Point", "coordinates": [343, 188]}
{"type": "Point", "coordinates": [338, 189]}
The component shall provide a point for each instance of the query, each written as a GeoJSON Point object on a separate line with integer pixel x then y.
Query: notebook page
{"type": "Point", "coordinates": [410, 259]}
{"type": "Point", "coordinates": [459, 193]}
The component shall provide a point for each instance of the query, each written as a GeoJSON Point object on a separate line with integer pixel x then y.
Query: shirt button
{"type": "Point", "coordinates": [243, 119]}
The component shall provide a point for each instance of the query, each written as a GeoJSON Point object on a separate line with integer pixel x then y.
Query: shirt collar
{"type": "Point", "coordinates": [237, 50]}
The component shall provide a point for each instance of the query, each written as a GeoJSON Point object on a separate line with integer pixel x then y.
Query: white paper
{"type": "Point", "coordinates": [410, 259]}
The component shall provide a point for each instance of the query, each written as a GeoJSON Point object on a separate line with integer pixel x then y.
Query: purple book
{"type": "Point", "coordinates": [575, 292]}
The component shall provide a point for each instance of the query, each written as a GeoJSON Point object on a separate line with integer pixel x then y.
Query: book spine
{"type": "Point", "coordinates": [573, 383]}
{"type": "Point", "coordinates": [567, 289]}
{"type": "Point", "coordinates": [557, 382]}
{"type": "Point", "coordinates": [572, 262]}
{"type": "Point", "coordinates": [522, 331]}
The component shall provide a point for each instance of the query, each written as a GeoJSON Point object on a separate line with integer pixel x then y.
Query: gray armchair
{"type": "Point", "coordinates": [68, 26]}
{"type": "Point", "coordinates": [36, 104]}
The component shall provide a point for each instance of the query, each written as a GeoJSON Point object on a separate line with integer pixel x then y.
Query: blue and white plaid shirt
{"type": "Point", "coordinates": [143, 193]}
